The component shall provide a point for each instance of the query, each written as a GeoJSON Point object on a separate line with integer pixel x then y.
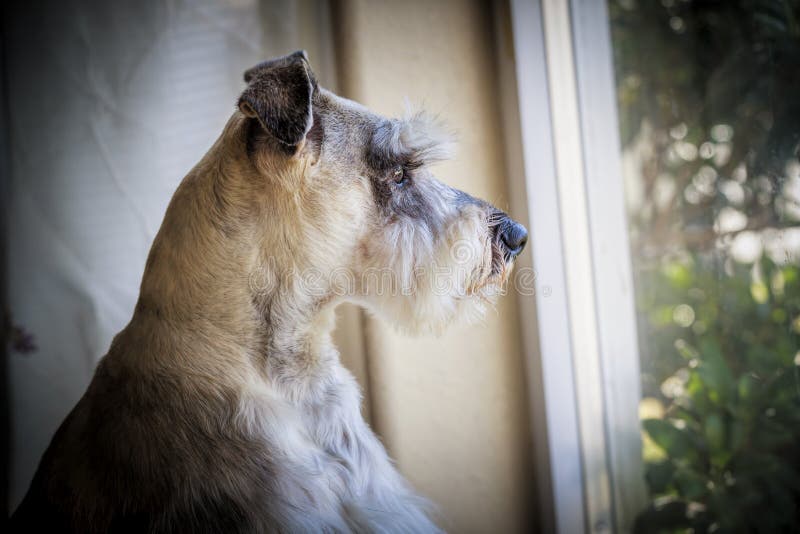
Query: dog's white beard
{"type": "Point", "coordinates": [421, 284]}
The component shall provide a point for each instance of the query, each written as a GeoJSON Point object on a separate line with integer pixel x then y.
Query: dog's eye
{"type": "Point", "coordinates": [399, 175]}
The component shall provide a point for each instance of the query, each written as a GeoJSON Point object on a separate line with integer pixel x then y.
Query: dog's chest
{"type": "Point", "coordinates": [321, 431]}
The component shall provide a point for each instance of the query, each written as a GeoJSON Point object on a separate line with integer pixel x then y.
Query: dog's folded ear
{"type": "Point", "coordinates": [279, 95]}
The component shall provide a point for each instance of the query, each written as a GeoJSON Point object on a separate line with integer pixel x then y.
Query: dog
{"type": "Point", "coordinates": [222, 406]}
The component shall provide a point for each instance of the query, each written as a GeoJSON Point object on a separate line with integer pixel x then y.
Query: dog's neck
{"type": "Point", "coordinates": [208, 271]}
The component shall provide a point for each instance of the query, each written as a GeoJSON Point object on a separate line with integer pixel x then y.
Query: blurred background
{"type": "Point", "coordinates": [710, 129]}
{"type": "Point", "coordinates": [646, 378]}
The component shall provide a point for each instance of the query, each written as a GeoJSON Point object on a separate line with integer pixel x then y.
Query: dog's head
{"type": "Point", "coordinates": [354, 211]}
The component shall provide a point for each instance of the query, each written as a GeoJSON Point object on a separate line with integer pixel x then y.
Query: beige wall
{"type": "Point", "coordinates": [452, 411]}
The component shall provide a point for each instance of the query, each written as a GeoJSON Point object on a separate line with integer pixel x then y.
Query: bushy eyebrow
{"type": "Point", "coordinates": [385, 150]}
{"type": "Point", "coordinates": [413, 141]}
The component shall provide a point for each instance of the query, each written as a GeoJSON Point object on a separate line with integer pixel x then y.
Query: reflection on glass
{"type": "Point", "coordinates": [709, 105]}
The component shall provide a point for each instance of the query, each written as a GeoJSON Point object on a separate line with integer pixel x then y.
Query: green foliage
{"type": "Point", "coordinates": [709, 104]}
{"type": "Point", "coordinates": [730, 434]}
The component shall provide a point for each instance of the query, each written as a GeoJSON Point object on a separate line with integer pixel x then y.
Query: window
{"type": "Point", "coordinates": [709, 119]}
{"type": "Point", "coordinates": [661, 144]}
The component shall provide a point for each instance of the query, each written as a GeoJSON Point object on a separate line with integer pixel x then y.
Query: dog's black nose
{"type": "Point", "coordinates": [514, 236]}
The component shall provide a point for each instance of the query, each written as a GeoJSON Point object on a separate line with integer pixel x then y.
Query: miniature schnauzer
{"type": "Point", "coordinates": [223, 406]}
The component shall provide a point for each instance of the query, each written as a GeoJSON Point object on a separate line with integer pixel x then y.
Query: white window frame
{"type": "Point", "coordinates": [583, 358]}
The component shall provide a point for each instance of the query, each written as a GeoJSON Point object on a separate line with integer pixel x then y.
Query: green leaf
{"type": "Point", "coordinates": [659, 475]}
{"type": "Point", "coordinates": [676, 442]}
{"type": "Point", "coordinates": [745, 387]}
{"type": "Point", "coordinates": [714, 432]}
{"type": "Point", "coordinates": [691, 485]}
{"type": "Point", "coordinates": [697, 392]}
{"type": "Point", "coordinates": [714, 371]}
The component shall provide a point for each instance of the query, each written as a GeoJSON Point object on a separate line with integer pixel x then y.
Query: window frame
{"type": "Point", "coordinates": [583, 361]}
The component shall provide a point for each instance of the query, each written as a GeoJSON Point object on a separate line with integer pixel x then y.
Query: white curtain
{"type": "Point", "coordinates": [109, 105]}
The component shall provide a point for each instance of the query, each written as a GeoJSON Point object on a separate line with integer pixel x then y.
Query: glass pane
{"type": "Point", "coordinates": [709, 107]}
